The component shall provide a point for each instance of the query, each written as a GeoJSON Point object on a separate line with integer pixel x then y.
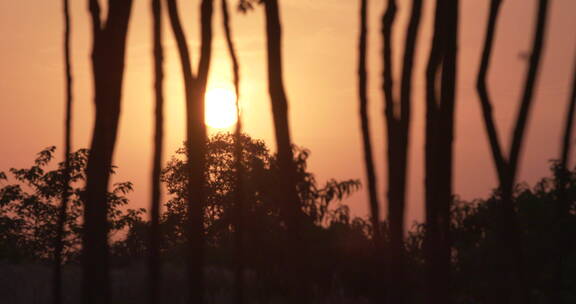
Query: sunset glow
{"type": "Point", "coordinates": [220, 108]}
{"type": "Point", "coordinates": [288, 151]}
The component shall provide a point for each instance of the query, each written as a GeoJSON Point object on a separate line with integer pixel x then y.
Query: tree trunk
{"type": "Point", "coordinates": [108, 67]}
{"type": "Point", "coordinates": [59, 244]}
{"type": "Point", "coordinates": [563, 204]}
{"type": "Point", "coordinates": [195, 89]}
{"type": "Point", "coordinates": [510, 283]}
{"type": "Point", "coordinates": [239, 194]}
{"type": "Point", "coordinates": [398, 116]}
{"type": "Point", "coordinates": [569, 126]}
{"type": "Point", "coordinates": [290, 204]}
{"type": "Point", "coordinates": [365, 127]}
{"type": "Point", "coordinates": [439, 149]}
{"type": "Point", "coordinates": [154, 261]}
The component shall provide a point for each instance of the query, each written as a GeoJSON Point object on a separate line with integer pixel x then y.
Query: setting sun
{"type": "Point", "coordinates": [220, 108]}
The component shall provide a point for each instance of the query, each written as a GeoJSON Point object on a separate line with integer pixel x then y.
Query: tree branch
{"type": "Point", "coordinates": [530, 83]}
{"type": "Point", "coordinates": [482, 88]}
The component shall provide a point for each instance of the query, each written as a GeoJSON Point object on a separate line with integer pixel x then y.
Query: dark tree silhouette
{"type": "Point", "coordinates": [440, 102]}
{"type": "Point", "coordinates": [155, 238]}
{"type": "Point", "coordinates": [195, 89]}
{"type": "Point", "coordinates": [291, 204]}
{"type": "Point", "coordinates": [365, 124]}
{"type": "Point", "coordinates": [563, 178]}
{"type": "Point", "coordinates": [109, 47]}
{"type": "Point", "coordinates": [397, 116]}
{"type": "Point", "coordinates": [569, 125]}
{"type": "Point", "coordinates": [59, 243]}
{"type": "Point", "coordinates": [239, 194]}
{"type": "Point", "coordinates": [31, 208]}
{"type": "Point", "coordinates": [509, 286]}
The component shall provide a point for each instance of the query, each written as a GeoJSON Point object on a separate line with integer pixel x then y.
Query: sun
{"type": "Point", "coordinates": [220, 109]}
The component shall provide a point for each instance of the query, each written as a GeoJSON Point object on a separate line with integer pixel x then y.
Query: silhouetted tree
{"type": "Point", "coordinates": [57, 279]}
{"type": "Point", "coordinates": [292, 213]}
{"type": "Point", "coordinates": [30, 208]}
{"type": "Point", "coordinates": [155, 236]}
{"type": "Point", "coordinates": [473, 222]}
{"type": "Point", "coordinates": [568, 127]}
{"type": "Point", "coordinates": [239, 216]}
{"type": "Point", "coordinates": [509, 286]}
{"type": "Point", "coordinates": [365, 123]}
{"type": "Point", "coordinates": [261, 183]}
{"type": "Point", "coordinates": [563, 205]}
{"type": "Point", "coordinates": [440, 101]}
{"type": "Point", "coordinates": [397, 116]}
{"type": "Point", "coordinates": [291, 205]}
{"type": "Point", "coordinates": [109, 47]}
{"type": "Point", "coordinates": [265, 232]}
{"type": "Point", "coordinates": [195, 89]}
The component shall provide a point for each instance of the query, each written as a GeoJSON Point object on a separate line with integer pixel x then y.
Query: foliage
{"type": "Point", "coordinates": [339, 250]}
{"type": "Point", "coordinates": [29, 203]}
{"type": "Point", "coordinates": [476, 254]}
{"type": "Point", "coordinates": [260, 188]}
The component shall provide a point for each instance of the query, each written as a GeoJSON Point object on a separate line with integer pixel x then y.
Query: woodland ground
{"type": "Point", "coordinates": [27, 284]}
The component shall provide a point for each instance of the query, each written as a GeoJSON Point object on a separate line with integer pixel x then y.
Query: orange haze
{"type": "Point", "coordinates": [320, 56]}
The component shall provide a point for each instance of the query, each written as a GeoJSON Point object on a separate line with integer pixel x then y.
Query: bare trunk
{"type": "Point", "coordinates": [395, 185]}
{"type": "Point", "coordinates": [59, 244]}
{"type": "Point", "coordinates": [398, 116]}
{"type": "Point", "coordinates": [563, 204]}
{"type": "Point", "coordinates": [195, 89]}
{"type": "Point", "coordinates": [569, 125]}
{"type": "Point", "coordinates": [154, 261]}
{"type": "Point", "coordinates": [365, 126]}
{"type": "Point", "coordinates": [510, 283]}
{"type": "Point", "coordinates": [108, 66]}
{"type": "Point", "coordinates": [439, 149]}
{"type": "Point", "coordinates": [239, 195]}
{"type": "Point", "coordinates": [196, 140]}
{"type": "Point", "coordinates": [290, 204]}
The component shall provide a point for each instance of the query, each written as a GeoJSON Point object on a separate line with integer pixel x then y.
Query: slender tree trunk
{"type": "Point", "coordinates": [483, 93]}
{"type": "Point", "coordinates": [365, 126]}
{"type": "Point", "coordinates": [239, 194]}
{"type": "Point", "coordinates": [563, 204]}
{"type": "Point", "coordinates": [398, 115]}
{"type": "Point", "coordinates": [439, 148]}
{"type": "Point", "coordinates": [290, 204]}
{"type": "Point", "coordinates": [529, 85]}
{"type": "Point", "coordinates": [396, 162]}
{"type": "Point", "coordinates": [108, 67]}
{"type": "Point", "coordinates": [59, 244]}
{"type": "Point", "coordinates": [154, 261]}
{"type": "Point", "coordinates": [569, 126]}
{"type": "Point", "coordinates": [511, 285]}
{"type": "Point", "coordinates": [196, 140]}
{"type": "Point", "coordinates": [501, 163]}
{"type": "Point", "coordinates": [195, 89]}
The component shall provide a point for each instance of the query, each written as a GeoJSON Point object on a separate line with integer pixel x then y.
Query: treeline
{"type": "Point", "coordinates": [30, 210]}
{"type": "Point", "coordinates": [341, 264]}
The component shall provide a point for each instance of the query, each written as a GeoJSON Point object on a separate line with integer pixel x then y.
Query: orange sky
{"type": "Point", "coordinates": [320, 58]}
